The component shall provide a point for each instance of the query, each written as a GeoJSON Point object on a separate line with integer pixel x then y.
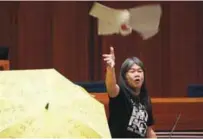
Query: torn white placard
{"type": "Point", "coordinates": [145, 19]}
{"type": "Point", "coordinates": [109, 19]}
{"type": "Point", "coordinates": [148, 34]}
{"type": "Point", "coordinates": [108, 14]}
{"type": "Point", "coordinates": [106, 28]}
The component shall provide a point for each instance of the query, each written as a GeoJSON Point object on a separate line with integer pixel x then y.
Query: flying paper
{"type": "Point", "coordinates": [110, 19]}
{"type": "Point", "coordinates": [143, 19]}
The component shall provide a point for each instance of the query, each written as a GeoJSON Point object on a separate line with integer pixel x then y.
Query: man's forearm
{"type": "Point", "coordinates": [110, 81]}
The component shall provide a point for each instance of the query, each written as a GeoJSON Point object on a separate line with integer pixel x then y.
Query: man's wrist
{"type": "Point", "coordinates": [109, 68]}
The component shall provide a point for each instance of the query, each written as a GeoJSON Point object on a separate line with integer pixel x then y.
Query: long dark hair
{"type": "Point", "coordinates": [143, 96]}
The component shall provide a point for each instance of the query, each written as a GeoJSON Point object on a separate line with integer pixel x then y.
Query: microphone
{"type": "Point", "coordinates": [175, 124]}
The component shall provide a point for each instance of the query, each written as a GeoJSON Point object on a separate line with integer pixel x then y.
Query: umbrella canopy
{"type": "Point", "coordinates": [43, 103]}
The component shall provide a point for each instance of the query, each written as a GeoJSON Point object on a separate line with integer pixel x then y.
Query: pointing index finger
{"type": "Point", "coordinates": [111, 50]}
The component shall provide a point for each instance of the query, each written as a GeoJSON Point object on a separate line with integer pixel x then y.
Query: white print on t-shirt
{"type": "Point", "coordinates": [138, 121]}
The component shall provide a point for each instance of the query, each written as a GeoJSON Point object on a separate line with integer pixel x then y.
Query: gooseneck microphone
{"type": "Point", "coordinates": [175, 124]}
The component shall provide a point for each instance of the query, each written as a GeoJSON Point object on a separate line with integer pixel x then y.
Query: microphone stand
{"type": "Point", "coordinates": [174, 126]}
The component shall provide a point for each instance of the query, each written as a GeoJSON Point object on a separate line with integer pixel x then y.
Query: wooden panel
{"type": "Point", "coordinates": [166, 111]}
{"type": "Point", "coordinates": [4, 64]}
{"type": "Point", "coordinates": [8, 29]}
{"type": "Point", "coordinates": [55, 36]}
{"type": "Point", "coordinates": [6, 15]}
{"type": "Point", "coordinates": [70, 39]}
{"type": "Point", "coordinates": [183, 39]}
{"type": "Point", "coordinates": [34, 35]}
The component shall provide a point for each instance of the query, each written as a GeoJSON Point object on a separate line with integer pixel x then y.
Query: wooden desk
{"type": "Point", "coordinates": [166, 111]}
{"type": "Point", "coordinates": [4, 64]}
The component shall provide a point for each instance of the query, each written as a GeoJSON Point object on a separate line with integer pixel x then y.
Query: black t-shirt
{"type": "Point", "coordinates": [127, 119]}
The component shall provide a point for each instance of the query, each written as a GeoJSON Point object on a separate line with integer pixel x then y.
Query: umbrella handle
{"type": "Point", "coordinates": [47, 106]}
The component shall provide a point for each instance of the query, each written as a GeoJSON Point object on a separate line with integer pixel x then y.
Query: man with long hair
{"type": "Point", "coordinates": [130, 108]}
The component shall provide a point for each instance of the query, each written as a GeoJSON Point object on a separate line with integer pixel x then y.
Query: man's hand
{"type": "Point", "coordinates": [110, 58]}
{"type": "Point", "coordinates": [110, 81]}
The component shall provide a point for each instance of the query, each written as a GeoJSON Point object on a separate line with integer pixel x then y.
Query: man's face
{"type": "Point", "coordinates": [135, 76]}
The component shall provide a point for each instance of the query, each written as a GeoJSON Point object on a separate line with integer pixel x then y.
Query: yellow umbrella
{"type": "Point", "coordinates": [47, 123]}
{"type": "Point", "coordinates": [43, 103]}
